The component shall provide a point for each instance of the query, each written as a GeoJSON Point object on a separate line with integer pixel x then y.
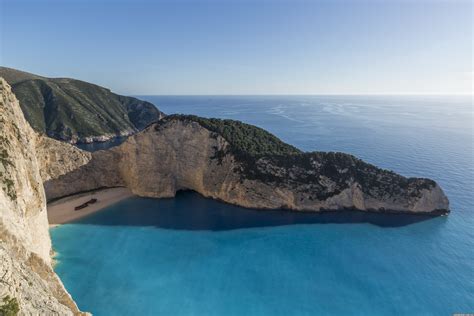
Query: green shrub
{"type": "Point", "coordinates": [245, 139]}
{"type": "Point", "coordinates": [10, 306]}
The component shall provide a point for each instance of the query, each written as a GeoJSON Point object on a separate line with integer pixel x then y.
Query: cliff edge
{"type": "Point", "coordinates": [26, 274]}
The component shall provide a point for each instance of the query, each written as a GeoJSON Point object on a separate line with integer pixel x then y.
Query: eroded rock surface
{"type": "Point", "coordinates": [25, 245]}
{"type": "Point", "coordinates": [56, 158]}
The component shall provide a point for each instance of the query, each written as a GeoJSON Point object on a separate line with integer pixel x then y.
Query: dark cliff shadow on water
{"type": "Point", "coordinates": [190, 211]}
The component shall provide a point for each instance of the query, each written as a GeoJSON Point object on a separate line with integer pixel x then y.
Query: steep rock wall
{"type": "Point", "coordinates": [25, 245]}
{"type": "Point", "coordinates": [56, 158]}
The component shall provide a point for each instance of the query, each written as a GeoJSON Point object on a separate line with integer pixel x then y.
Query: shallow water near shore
{"type": "Point", "coordinates": [195, 256]}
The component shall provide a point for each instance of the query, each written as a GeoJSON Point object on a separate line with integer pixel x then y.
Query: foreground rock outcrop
{"type": "Point", "coordinates": [245, 165]}
{"type": "Point", "coordinates": [26, 274]}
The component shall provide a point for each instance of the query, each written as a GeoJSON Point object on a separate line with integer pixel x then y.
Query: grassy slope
{"type": "Point", "coordinates": [63, 108]}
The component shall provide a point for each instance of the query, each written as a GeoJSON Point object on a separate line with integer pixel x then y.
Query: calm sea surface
{"type": "Point", "coordinates": [194, 256]}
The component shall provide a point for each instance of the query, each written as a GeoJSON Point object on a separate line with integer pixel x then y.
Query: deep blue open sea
{"type": "Point", "coordinates": [195, 256]}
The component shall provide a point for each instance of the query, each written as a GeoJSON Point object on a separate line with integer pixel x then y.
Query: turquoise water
{"type": "Point", "coordinates": [193, 256]}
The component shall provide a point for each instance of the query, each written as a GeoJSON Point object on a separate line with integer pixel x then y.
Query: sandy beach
{"type": "Point", "coordinates": [62, 211]}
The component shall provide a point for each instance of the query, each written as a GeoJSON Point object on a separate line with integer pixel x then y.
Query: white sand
{"type": "Point", "coordinates": [62, 211]}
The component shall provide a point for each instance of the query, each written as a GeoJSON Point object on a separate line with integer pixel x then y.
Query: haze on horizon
{"type": "Point", "coordinates": [244, 47]}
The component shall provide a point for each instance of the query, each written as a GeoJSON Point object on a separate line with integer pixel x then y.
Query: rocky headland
{"type": "Point", "coordinates": [247, 166]}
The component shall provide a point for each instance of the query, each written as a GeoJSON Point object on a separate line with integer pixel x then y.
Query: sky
{"type": "Point", "coordinates": [181, 47]}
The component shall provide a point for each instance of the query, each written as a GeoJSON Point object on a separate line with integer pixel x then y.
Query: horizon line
{"type": "Point", "coordinates": [310, 94]}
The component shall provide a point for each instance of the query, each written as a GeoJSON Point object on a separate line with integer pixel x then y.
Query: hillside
{"type": "Point", "coordinates": [77, 111]}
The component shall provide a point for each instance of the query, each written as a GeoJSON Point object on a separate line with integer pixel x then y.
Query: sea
{"type": "Point", "coordinates": [195, 256]}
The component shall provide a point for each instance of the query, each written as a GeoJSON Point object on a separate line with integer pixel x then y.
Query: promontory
{"type": "Point", "coordinates": [247, 166]}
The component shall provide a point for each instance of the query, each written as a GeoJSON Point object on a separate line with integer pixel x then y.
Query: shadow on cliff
{"type": "Point", "coordinates": [191, 211]}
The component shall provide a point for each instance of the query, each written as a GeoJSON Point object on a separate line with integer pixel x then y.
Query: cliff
{"type": "Point", "coordinates": [26, 275]}
{"type": "Point", "coordinates": [247, 166]}
{"type": "Point", "coordinates": [77, 111]}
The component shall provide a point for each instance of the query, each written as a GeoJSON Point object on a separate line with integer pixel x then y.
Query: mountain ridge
{"type": "Point", "coordinates": [77, 111]}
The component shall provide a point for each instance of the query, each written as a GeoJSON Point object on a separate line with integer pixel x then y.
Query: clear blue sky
{"type": "Point", "coordinates": [244, 47]}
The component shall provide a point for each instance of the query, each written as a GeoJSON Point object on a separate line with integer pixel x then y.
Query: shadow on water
{"type": "Point", "coordinates": [190, 211]}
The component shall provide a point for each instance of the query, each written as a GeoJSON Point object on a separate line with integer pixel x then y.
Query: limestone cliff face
{"type": "Point", "coordinates": [25, 245]}
{"type": "Point", "coordinates": [189, 153]}
{"type": "Point", "coordinates": [56, 158]}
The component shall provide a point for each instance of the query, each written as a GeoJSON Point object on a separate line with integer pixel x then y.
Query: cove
{"type": "Point", "coordinates": [192, 255]}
